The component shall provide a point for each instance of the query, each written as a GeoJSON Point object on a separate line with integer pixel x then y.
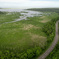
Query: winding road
{"type": "Point", "coordinates": [48, 51]}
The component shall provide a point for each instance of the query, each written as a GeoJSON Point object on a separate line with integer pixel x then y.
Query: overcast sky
{"type": "Point", "coordinates": [29, 3]}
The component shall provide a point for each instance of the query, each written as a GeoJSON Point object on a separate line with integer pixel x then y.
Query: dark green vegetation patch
{"type": "Point", "coordinates": [55, 53]}
{"type": "Point", "coordinates": [46, 9]}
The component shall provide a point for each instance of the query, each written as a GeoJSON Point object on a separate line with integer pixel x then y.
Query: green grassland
{"type": "Point", "coordinates": [23, 34]}
{"type": "Point", "coordinates": [24, 39]}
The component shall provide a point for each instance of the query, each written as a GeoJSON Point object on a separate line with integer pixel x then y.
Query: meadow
{"type": "Point", "coordinates": [25, 39]}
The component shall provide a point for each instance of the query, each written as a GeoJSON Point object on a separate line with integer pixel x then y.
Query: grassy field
{"type": "Point", "coordinates": [20, 36]}
{"type": "Point", "coordinates": [23, 34]}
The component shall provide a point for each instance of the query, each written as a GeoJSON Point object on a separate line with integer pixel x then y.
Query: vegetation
{"type": "Point", "coordinates": [2, 12]}
{"type": "Point", "coordinates": [46, 9]}
{"type": "Point", "coordinates": [55, 53]}
{"type": "Point", "coordinates": [49, 29]}
{"type": "Point", "coordinates": [26, 39]}
{"type": "Point", "coordinates": [22, 38]}
{"type": "Point", "coordinates": [7, 17]}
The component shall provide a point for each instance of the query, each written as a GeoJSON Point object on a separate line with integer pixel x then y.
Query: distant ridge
{"type": "Point", "coordinates": [45, 9]}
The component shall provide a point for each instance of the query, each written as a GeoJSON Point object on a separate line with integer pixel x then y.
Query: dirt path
{"type": "Point", "coordinates": [45, 54]}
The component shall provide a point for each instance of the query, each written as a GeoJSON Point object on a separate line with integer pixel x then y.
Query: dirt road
{"type": "Point", "coordinates": [45, 54]}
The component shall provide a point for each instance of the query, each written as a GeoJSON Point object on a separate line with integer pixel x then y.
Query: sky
{"type": "Point", "coordinates": [22, 4]}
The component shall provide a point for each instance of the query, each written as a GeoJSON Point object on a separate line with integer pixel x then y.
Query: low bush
{"type": "Point", "coordinates": [29, 54]}
{"type": "Point", "coordinates": [49, 29]}
{"type": "Point", "coordinates": [2, 12]}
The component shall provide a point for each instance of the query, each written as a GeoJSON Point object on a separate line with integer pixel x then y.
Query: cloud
{"type": "Point", "coordinates": [14, 0]}
{"type": "Point", "coordinates": [28, 3]}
